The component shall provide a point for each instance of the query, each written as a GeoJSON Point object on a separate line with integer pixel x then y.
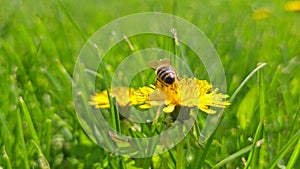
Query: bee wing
{"type": "Point", "coordinates": [165, 61]}
{"type": "Point", "coordinates": [154, 64]}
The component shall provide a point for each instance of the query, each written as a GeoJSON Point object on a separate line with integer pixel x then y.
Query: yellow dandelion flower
{"type": "Point", "coordinates": [100, 100]}
{"type": "Point", "coordinates": [124, 97]}
{"type": "Point", "coordinates": [141, 97]}
{"type": "Point", "coordinates": [292, 6]}
{"type": "Point", "coordinates": [260, 14]}
{"type": "Point", "coordinates": [188, 92]}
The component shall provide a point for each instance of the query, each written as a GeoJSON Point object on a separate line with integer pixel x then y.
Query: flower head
{"type": "Point", "coordinates": [124, 97]}
{"type": "Point", "coordinates": [188, 92]}
{"type": "Point", "coordinates": [292, 6]}
{"type": "Point", "coordinates": [260, 14]}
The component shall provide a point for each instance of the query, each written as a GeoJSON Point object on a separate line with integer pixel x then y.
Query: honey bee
{"type": "Point", "coordinates": [164, 71]}
{"type": "Point", "coordinates": [166, 79]}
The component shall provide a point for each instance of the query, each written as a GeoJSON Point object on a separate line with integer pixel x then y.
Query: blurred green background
{"type": "Point", "coordinates": [39, 44]}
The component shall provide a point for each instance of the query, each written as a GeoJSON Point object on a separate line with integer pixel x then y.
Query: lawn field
{"type": "Point", "coordinates": [258, 43]}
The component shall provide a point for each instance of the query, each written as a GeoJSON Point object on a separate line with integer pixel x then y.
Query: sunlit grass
{"type": "Point", "coordinates": [39, 44]}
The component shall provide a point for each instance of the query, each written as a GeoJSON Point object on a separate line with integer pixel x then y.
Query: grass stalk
{"type": "Point", "coordinates": [118, 128]}
{"type": "Point", "coordinates": [42, 160]}
{"type": "Point", "coordinates": [261, 95]}
{"type": "Point", "coordinates": [28, 119]}
{"type": "Point", "coordinates": [210, 139]}
{"type": "Point", "coordinates": [285, 149]}
{"type": "Point", "coordinates": [48, 137]}
{"type": "Point", "coordinates": [21, 135]}
{"type": "Point", "coordinates": [294, 157]}
{"type": "Point", "coordinates": [233, 156]}
{"type": "Point", "coordinates": [6, 158]}
{"type": "Point", "coordinates": [262, 150]}
{"type": "Point", "coordinates": [69, 16]}
{"type": "Point", "coordinates": [180, 152]}
{"type": "Point", "coordinates": [253, 156]}
{"type": "Point", "coordinates": [232, 97]}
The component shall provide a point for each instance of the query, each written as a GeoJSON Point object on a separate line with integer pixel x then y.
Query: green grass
{"type": "Point", "coordinates": [39, 44]}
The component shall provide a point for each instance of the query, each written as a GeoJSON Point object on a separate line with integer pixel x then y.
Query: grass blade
{"type": "Point", "coordinates": [261, 95]}
{"type": "Point", "coordinates": [118, 127]}
{"type": "Point", "coordinates": [21, 135]}
{"type": "Point", "coordinates": [180, 153]}
{"type": "Point", "coordinates": [48, 137]}
{"type": "Point", "coordinates": [42, 160]}
{"type": "Point", "coordinates": [285, 149]}
{"type": "Point", "coordinates": [253, 156]}
{"type": "Point", "coordinates": [6, 158]}
{"type": "Point", "coordinates": [68, 15]}
{"type": "Point", "coordinates": [294, 156]}
{"type": "Point", "coordinates": [233, 156]}
{"type": "Point", "coordinates": [246, 80]}
{"type": "Point", "coordinates": [28, 119]}
{"type": "Point", "coordinates": [210, 139]}
{"type": "Point", "coordinates": [262, 156]}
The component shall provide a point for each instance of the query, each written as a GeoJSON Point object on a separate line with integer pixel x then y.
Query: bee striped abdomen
{"type": "Point", "coordinates": [166, 73]}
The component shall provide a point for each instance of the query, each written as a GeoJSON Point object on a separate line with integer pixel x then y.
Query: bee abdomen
{"type": "Point", "coordinates": [166, 74]}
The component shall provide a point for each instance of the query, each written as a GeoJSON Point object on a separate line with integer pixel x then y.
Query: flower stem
{"type": "Point", "coordinates": [179, 155]}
